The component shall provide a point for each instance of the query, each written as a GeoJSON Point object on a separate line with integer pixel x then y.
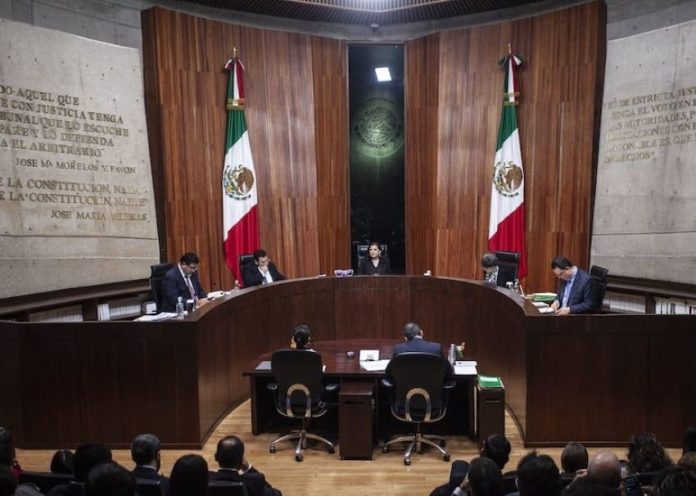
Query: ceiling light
{"type": "Point", "coordinates": [383, 74]}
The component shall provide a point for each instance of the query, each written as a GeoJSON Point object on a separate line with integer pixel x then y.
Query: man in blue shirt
{"type": "Point", "coordinates": [575, 289]}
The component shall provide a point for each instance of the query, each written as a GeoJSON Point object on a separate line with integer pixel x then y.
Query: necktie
{"type": "Point", "coordinates": [190, 288]}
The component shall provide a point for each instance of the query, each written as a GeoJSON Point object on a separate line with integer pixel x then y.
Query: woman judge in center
{"type": "Point", "coordinates": [374, 264]}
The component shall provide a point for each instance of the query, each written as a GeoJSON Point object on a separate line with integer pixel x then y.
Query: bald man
{"type": "Point", "coordinates": [606, 469]}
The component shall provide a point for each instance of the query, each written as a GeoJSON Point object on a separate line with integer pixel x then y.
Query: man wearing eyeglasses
{"type": "Point", "coordinates": [182, 280]}
{"type": "Point", "coordinates": [575, 289]}
{"type": "Point", "coordinates": [262, 271]}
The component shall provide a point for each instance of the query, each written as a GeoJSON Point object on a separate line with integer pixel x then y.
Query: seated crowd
{"type": "Point", "coordinates": [647, 470]}
{"type": "Point", "coordinates": [94, 473]}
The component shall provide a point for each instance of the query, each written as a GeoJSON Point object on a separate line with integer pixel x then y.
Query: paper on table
{"type": "Point", "coordinates": [369, 355]}
{"type": "Point", "coordinates": [375, 365]}
{"type": "Point", "coordinates": [545, 310]}
{"type": "Point", "coordinates": [266, 365]}
{"type": "Point", "coordinates": [465, 367]}
{"type": "Point", "coordinates": [156, 318]}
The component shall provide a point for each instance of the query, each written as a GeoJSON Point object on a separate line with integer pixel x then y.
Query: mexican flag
{"type": "Point", "coordinates": [240, 228]}
{"type": "Point", "coordinates": [506, 225]}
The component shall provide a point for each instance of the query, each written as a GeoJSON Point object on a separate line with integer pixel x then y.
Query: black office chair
{"type": "Point", "coordinates": [45, 481]}
{"type": "Point", "coordinates": [226, 488]}
{"type": "Point", "coordinates": [244, 260]}
{"type": "Point", "coordinates": [599, 285]}
{"type": "Point", "coordinates": [157, 273]}
{"type": "Point", "coordinates": [148, 487]}
{"type": "Point", "coordinates": [418, 392]}
{"type": "Point", "coordinates": [299, 393]}
{"type": "Point", "coordinates": [508, 266]}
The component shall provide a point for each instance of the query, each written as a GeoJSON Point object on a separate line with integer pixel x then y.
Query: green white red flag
{"type": "Point", "coordinates": [239, 199]}
{"type": "Point", "coordinates": [506, 228]}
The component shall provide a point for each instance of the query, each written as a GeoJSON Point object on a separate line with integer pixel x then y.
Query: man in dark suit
{"type": "Point", "coordinates": [575, 289]}
{"type": "Point", "coordinates": [233, 467]}
{"type": "Point", "coordinates": [145, 452]}
{"type": "Point", "coordinates": [182, 281]}
{"type": "Point", "coordinates": [413, 335]}
{"type": "Point", "coordinates": [262, 271]}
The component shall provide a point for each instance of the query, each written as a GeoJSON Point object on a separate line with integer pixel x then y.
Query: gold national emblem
{"type": "Point", "coordinates": [508, 178]}
{"type": "Point", "coordinates": [238, 182]}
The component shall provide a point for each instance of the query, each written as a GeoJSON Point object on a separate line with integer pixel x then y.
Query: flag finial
{"type": "Point", "coordinates": [234, 52]}
{"type": "Point", "coordinates": [509, 48]}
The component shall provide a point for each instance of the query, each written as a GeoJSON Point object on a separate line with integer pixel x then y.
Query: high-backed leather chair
{"type": "Point", "coordinates": [226, 488]}
{"type": "Point", "coordinates": [157, 273]}
{"type": "Point", "coordinates": [299, 393]}
{"type": "Point", "coordinates": [508, 266]}
{"type": "Point", "coordinates": [244, 260]}
{"type": "Point", "coordinates": [418, 392]}
{"type": "Point", "coordinates": [599, 285]}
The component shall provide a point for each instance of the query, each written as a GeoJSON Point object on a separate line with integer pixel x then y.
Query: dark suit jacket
{"type": "Point", "coordinates": [581, 298]}
{"type": "Point", "coordinates": [141, 472]}
{"type": "Point", "coordinates": [365, 267]}
{"type": "Point", "coordinates": [173, 286]}
{"type": "Point", "coordinates": [254, 481]}
{"type": "Point", "coordinates": [419, 345]}
{"type": "Point", "coordinates": [251, 276]}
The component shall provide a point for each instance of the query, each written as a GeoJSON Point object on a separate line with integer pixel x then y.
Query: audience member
{"type": "Point", "coordinates": [645, 454]}
{"type": "Point", "coordinates": [688, 460]}
{"type": "Point", "coordinates": [87, 456]}
{"type": "Point", "coordinates": [675, 481]}
{"type": "Point", "coordinates": [484, 478]}
{"type": "Point", "coordinates": [8, 482]}
{"type": "Point", "coordinates": [182, 282]}
{"type": "Point", "coordinates": [62, 462]}
{"type": "Point", "coordinates": [145, 452]}
{"type": "Point", "coordinates": [575, 289]}
{"type": "Point", "coordinates": [233, 467]}
{"type": "Point", "coordinates": [489, 264]}
{"type": "Point", "coordinates": [262, 271]}
{"type": "Point", "coordinates": [110, 479]}
{"type": "Point", "coordinates": [301, 338]}
{"type": "Point", "coordinates": [189, 476]}
{"type": "Point", "coordinates": [585, 486]}
{"type": "Point", "coordinates": [538, 475]}
{"type": "Point", "coordinates": [497, 448]}
{"type": "Point", "coordinates": [374, 264]}
{"type": "Point", "coordinates": [458, 472]}
{"type": "Point", "coordinates": [689, 440]}
{"type": "Point", "coordinates": [573, 458]}
{"type": "Point", "coordinates": [7, 452]}
{"type": "Point", "coordinates": [605, 468]}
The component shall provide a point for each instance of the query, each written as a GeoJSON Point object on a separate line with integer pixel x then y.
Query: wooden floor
{"type": "Point", "coordinates": [321, 473]}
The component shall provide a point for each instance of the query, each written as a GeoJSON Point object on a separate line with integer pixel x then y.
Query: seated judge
{"type": "Point", "coordinates": [262, 271]}
{"type": "Point", "coordinates": [182, 280]}
{"type": "Point", "coordinates": [575, 288]}
{"type": "Point", "coordinates": [374, 264]}
{"type": "Point", "coordinates": [489, 264]}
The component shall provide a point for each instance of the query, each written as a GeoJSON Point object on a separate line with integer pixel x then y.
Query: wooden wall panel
{"type": "Point", "coordinates": [297, 118]}
{"type": "Point", "coordinates": [564, 58]}
{"type": "Point", "coordinates": [301, 173]}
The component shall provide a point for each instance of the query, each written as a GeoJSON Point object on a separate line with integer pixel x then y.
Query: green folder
{"type": "Point", "coordinates": [545, 297]}
{"type": "Point", "coordinates": [486, 381]}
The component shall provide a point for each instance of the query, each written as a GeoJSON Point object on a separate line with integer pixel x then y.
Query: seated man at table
{"type": "Point", "coordinates": [489, 264]}
{"type": "Point", "coordinates": [262, 271]}
{"type": "Point", "coordinates": [182, 281]}
{"type": "Point", "coordinates": [233, 467]}
{"type": "Point", "coordinates": [413, 337]}
{"type": "Point", "coordinates": [575, 288]}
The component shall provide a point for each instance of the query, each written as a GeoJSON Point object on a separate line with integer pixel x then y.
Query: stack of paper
{"type": "Point", "coordinates": [156, 318]}
{"type": "Point", "coordinates": [465, 367]}
{"type": "Point", "coordinates": [486, 381]}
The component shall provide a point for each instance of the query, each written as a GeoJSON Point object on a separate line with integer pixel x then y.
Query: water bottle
{"type": "Point", "coordinates": [516, 286]}
{"type": "Point", "coordinates": [452, 355]}
{"type": "Point", "coordinates": [180, 308]}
